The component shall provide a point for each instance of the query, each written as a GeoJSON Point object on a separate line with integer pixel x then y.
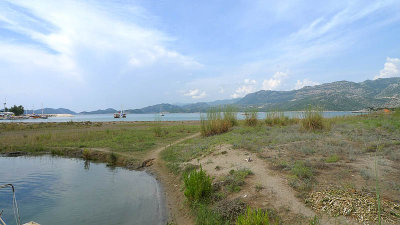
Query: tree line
{"type": "Point", "coordinates": [17, 110]}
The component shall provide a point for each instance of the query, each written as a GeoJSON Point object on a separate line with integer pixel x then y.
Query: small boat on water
{"type": "Point", "coordinates": [120, 114]}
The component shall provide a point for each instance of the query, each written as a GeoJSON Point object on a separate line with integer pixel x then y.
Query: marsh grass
{"type": "Point", "coordinates": [277, 118]}
{"type": "Point", "coordinates": [120, 137]}
{"type": "Point", "coordinates": [313, 119]}
{"type": "Point", "coordinates": [112, 159]}
{"type": "Point", "coordinates": [251, 118]}
{"type": "Point", "coordinates": [218, 120]}
{"type": "Point", "coordinates": [158, 131]}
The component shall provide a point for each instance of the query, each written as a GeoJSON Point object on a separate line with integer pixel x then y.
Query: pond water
{"type": "Point", "coordinates": [64, 191]}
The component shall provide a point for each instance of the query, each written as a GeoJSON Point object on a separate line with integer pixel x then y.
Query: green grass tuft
{"type": "Point", "coordinates": [253, 217]}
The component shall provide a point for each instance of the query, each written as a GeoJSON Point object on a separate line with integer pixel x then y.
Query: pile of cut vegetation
{"type": "Point", "coordinates": [362, 206]}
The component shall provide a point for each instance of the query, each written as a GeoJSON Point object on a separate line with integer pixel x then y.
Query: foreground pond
{"type": "Point", "coordinates": [66, 191]}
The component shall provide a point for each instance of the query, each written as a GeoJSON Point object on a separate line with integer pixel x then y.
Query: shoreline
{"type": "Point", "coordinates": [169, 194]}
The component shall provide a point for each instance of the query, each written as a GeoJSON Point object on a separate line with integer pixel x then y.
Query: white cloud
{"type": "Point", "coordinates": [249, 86]}
{"type": "Point", "coordinates": [195, 94]}
{"type": "Point", "coordinates": [391, 68]}
{"type": "Point", "coordinates": [274, 82]}
{"type": "Point", "coordinates": [306, 82]}
{"type": "Point", "coordinates": [88, 37]}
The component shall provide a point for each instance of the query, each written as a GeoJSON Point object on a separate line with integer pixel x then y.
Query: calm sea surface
{"type": "Point", "coordinates": [152, 117]}
{"type": "Point", "coordinates": [67, 191]}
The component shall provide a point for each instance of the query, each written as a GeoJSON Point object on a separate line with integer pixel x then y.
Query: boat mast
{"type": "Point", "coordinates": [5, 103]}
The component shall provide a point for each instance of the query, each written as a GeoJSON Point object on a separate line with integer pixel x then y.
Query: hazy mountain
{"type": "Point", "coordinates": [340, 96]}
{"type": "Point", "coordinates": [53, 111]}
{"type": "Point", "coordinates": [100, 111]}
{"type": "Point", "coordinates": [157, 109]}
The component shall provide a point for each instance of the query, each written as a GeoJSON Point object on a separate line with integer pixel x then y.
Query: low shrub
{"type": "Point", "coordinates": [253, 217]}
{"type": "Point", "coordinates": [230, 209]}
{"type": "Point", "coordinates": [198, 186]}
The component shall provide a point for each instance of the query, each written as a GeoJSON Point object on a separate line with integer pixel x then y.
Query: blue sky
{"type": "Point", "coordinates": [89, 54]}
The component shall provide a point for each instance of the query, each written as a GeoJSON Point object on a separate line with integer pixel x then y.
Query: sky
{"type": "Point", "coordinates": [88, 54]}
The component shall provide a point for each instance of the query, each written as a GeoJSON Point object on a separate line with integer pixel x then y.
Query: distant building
{"type": "Point", "coordinates": [6, 115]}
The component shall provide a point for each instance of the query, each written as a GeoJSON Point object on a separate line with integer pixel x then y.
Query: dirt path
{"type": "Point", "coordinates": [276, 189]}
{"type": "Point", "coordinates": [177, 212]}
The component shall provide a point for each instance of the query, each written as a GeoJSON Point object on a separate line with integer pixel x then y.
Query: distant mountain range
{"type": "Point", "coordinates": [336, 96]}
{"type": "Point", "coordinates": [54, 111]}
{"type": "Point", "coordinates": [100, 111]}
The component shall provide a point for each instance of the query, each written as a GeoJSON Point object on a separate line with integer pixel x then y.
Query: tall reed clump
{"type": "Point", "coordinates": [198, 186]}
{"type": "Point", "coordinates": [217, 121]}
{"type": "Point", "coordinates": [313, 119]}
{"type": "Point", "coordinates": [230, 114]}
{"type": "Point", "coordinates": [253, 217]}
{"type": "Point", "coordinates": [251, 118]}
{"type": "Point", "coordinates": [277, 118]}
{"type": "Point", "coordinates": [158, 132]}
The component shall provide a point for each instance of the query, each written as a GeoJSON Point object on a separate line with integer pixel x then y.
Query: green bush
{"type": "Point", "coordinates": [198, 186]}
{"type": "Point", "coordinates": [313, 119]}
{"type": "Point", "coordinates": [253, 217]}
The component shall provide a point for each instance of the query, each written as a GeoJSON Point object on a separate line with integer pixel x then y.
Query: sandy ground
{"type": "Point", "coordinates": [276, 191]}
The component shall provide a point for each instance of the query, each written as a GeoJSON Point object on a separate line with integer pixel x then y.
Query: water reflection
{"type": "Point", "coordinates": [62, 191]}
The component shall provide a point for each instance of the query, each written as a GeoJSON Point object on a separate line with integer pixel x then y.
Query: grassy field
{"type": "Point", "coordinates": [346, 158]}
{"type": "Point", "coordinates": [339, 169]}
{"type": "Point", "coordinates": [129, 138]}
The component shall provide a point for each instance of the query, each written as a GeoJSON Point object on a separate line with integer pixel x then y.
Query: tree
{"type": "Point", "coordinates": [17, 110]}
